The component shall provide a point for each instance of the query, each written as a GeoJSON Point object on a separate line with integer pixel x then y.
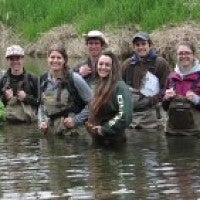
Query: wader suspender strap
{"type": "Point", "coordinates": [59, 90]}
{"type": "Point", "coordinates": [38, 90]}
{"type": "Point", "coordinates": [19, 85]}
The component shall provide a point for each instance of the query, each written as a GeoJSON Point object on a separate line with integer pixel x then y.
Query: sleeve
{"type": "Point", "coordinates": [196, 100]}
{"type": "Point", "coordinates": [165, 102]}
{"type": "Point", "coordinates": [78, 65]}
{"type": "Point", "coordinates": [2, 96]}
{"type": "Point", "coordinates": [123, 117]}
{"type": "Point", "coordinates": [125, 64]}
{"type": "Point", "coordinates": [42, 115]}
{"type": "Point", "coordinates": [162, 72]}
{"type": "Point", "coordinates": [32, 94]}
{"type": "Point", "coordinates": [85, 93]}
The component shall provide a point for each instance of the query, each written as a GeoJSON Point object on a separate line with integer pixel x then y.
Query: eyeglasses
{"type": "Point", "coordinates": [184, 53]}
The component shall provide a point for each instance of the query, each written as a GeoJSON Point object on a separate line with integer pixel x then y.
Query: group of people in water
{"type": "Point", "coordinates": [106, 95]}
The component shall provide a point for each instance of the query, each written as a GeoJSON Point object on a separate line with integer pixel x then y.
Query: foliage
{"type": "Point", "coordinates": [32, 18]}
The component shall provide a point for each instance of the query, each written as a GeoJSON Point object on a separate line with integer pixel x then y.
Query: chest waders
{"type": "Point", "coordinates": [16, 110]}
{"type": "Point", "coordinates": [57, 103]}
{"type": "Point", "coordinates": [183, 118]}
{"type": "Point", "coordinates": [180, 114]}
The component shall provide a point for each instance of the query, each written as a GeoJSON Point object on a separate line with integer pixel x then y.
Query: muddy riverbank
{"type": "Point", "coordinates": [119, 39]}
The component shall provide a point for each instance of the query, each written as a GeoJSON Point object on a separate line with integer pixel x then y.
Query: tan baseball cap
{"type": "Point", "coordinates": [14, 50]}
{"type": "Point", "coordinates": [96, 34]}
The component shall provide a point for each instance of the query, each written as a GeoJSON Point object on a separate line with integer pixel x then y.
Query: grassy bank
{"type": "Point", "coordinates": [33, 17]}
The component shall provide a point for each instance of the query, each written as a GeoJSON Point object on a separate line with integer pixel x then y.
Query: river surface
{"type": "Point", "coordinates": [148, 166]}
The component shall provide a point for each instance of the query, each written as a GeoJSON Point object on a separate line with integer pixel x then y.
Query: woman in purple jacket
{"type": "Point", "coordinates": [182, 94]}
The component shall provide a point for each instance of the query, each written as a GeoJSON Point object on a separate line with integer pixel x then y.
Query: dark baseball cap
{"type": "Point", "coordinates": [142, 36]}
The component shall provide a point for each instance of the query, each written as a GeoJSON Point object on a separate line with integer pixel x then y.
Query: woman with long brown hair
{"type": "Point", "coordinates": [64, 94]}
{"type": "Point", "coordinates": [111, 105]}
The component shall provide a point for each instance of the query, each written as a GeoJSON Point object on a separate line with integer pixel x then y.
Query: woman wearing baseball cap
{"type": "Point", "coordinates": [18, 88]}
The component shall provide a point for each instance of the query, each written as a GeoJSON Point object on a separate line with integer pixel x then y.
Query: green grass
{"type": "Point", "coordinates": [31, 18]}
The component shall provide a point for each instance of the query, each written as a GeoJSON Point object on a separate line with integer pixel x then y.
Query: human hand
{"type": "Point", "coordinates": [169, 93]}
{"type": "Point", "coordinates": [84, 70]}
{"type": "Point", "coordinates": [43, 127]}
{"type": "Point", "coordinates": [97, 130]}
{"type": "Point", "coordinates": [21, 95]}
{"type": "Point", "coordinates": [191, 96]}
{"type": "Point", "coordinates": [69, 122]}
{"type": "Point", "coordinates": [93, 129]}
{"type": "Point", "coordinates": [9, 93]}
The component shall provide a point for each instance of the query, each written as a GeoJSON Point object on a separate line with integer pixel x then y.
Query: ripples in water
{"type": "Point", "coordinates": [149, 166]}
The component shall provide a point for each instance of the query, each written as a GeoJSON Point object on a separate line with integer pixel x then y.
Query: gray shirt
{"type": "Point", "coordinates": [84, 92]}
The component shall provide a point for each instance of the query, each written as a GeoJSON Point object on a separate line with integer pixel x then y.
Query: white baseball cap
{"type": "Point", "coordinates": [14, 50]}
{"type": "Point", "coordinates": [96, 34]}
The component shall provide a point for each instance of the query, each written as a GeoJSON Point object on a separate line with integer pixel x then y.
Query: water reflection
{"type": "Point", "coordinates": [149, 166]}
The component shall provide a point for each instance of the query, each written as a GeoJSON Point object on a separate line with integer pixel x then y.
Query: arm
{"type": "Point", "coordinates": [83, 68]}
{"type": "Point", "coordinates": [125, 65]}
{"type": "Point", "coordinates": [123, 117]}
{"type": "Point", "coordinates": [162, 71]}
{"type": "Point", "coordinates": [43, 120]}
{"type": "Point", "coordinates": [2, 91]}
{"type": "Point", "coordinates": [85, 93]}
{"type": "Point", "coordinates": [42, 115]}
{"type": "Point", "coordinates": [168, 94]}
{"type": "Point", "coordinates": [32, 95]}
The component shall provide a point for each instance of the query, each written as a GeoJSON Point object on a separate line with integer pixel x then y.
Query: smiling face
{"type": "Point", "coordinates": [141, 47]}
{"type": "Point", "coordinates": [185, 57]}
{"type": "Point", "coordinates": [104, 66]}
{"type": "Point", "coordinates": [94, 46]}
{"type": "Point", "coordinates": [16, 64]}
{"type": "Point", "coordinates": [55, 61]}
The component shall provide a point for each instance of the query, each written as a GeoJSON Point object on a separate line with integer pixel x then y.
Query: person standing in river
{"type": "Point", "coordinates": [64, 94]}
{"type": "Point", "coordinates": [111, 105]}
{"type": "Point", "coordinates": [95, 42]}
{"type": "Point", "coordinates": [145, 72]}
{"type": "Point", "coordinates": [182, 93]}
{"type": "Point", "coordinates": [18, 88]}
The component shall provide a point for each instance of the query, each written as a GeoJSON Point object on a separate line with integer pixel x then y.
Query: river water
{"type": "Point", "coordinates": [149, 166]}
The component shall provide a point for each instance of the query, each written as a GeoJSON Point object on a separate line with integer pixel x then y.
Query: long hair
{"type": "Point", "coordinates": [105, 86]}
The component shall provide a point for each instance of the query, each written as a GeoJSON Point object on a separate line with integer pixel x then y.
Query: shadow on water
{"type": "Point", "coordinates": [148, 166]}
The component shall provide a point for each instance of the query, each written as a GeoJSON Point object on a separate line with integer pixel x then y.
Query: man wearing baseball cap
{"type": "Point", "coordinates": [145, 72]}
{"type": "Point", "coordinates": [95, 41]}
{"type": "Point", "coordinates": [18, 89]}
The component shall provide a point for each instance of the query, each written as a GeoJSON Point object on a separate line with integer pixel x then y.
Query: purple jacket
{"type": "Point", "coordinates": [181, 83]}
{"type": "Point", "coordinates": [185, 83]}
